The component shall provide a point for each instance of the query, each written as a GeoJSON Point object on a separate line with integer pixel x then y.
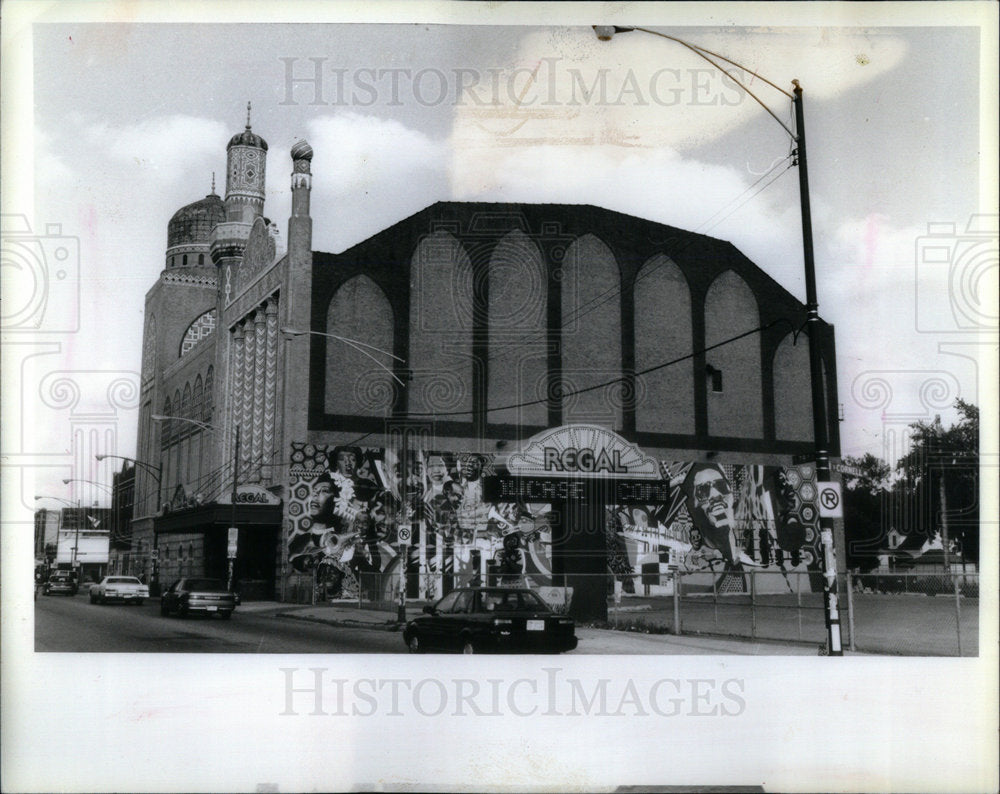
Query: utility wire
{"type": "Point", "coordinates": [611, 382]}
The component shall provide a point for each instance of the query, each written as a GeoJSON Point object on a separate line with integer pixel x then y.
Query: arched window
{"type": "Point", "coordinates": [355, 384]}
{"type": "Point", "coordinates": [184, 259]}
{"type": "Point", "coordinates": [591, 333]}
{"type": "Point", "coordinates": [199, 330]}
{"type": "Point", "coordinates": [662, 322]}
{"type": "Point", "coordinates": [197, 399]}
{"type": "Point", "coordinates": [201, 259]}
{"type": "Point", "coordinates": [733, 370]}
{"type": "Point", "coordinates": [518, 319]}
{"type": "Point", "coordinates": [441, 308]}
{"type": "Point", "coordinates": [186, 401]}
{"type": "Point", "coordinates": [167, 428]}
{"type": "Point", "coordinates": [209, 394]}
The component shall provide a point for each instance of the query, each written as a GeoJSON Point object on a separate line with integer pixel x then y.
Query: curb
{"type": "Point", "coordinates": [389, 625]}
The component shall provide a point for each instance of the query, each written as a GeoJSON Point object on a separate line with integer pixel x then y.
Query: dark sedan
{"type": "Point", "coordinates": [491, 620]}
{"type": "Point", "coordinates": [198, 595]}
{"type": "Point", "coordinates": [60, 582]}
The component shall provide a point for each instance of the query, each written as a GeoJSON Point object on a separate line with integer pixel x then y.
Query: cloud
{"type": "Point", "coordinates": [368, 174]}
{"type": "Point", "coordinates": [161, 148]}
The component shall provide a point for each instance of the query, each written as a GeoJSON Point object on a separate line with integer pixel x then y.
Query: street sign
{"type": "Point", "coordinates": [403, 535]}
{"type": "Point", "coordinates": [234, 534]}
{"type": "Point", "coordinates": [843, 468]}
{"type": "Point", "coordinates": [830, 503]}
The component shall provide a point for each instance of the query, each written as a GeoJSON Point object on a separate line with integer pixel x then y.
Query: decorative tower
{"type": "Point", "coordinates": [300, 224]}
{"type": "Point", "coordinates": [246, 161]}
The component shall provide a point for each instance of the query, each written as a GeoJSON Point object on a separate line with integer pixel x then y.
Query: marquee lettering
{"type": "Point", "coordinates": [573, 459]}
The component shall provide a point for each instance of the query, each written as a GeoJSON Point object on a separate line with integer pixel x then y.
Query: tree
{"type": "Point", "coordinates": [865, 495]}
{"type": "Point", "coordinates": [940, 474]}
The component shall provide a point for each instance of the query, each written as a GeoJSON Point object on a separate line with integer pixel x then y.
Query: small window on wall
{"type": "Point", "coordinates": [190, 550]}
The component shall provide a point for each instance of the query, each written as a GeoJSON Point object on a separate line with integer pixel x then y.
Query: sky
{"type": "Point", "coordinates": [130, 122]}
{"type": "Point", "coordinates": [117, 114]}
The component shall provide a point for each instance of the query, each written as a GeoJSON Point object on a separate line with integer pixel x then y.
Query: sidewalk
{"type": "Point", "coordinates": [592, 640]}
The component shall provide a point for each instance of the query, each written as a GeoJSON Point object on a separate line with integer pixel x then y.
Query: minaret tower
{"type": "Point", "coordinates": [246, 161]}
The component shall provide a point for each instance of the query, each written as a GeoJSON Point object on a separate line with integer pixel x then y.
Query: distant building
{"type": "Point", "coordinates": [449, 379]}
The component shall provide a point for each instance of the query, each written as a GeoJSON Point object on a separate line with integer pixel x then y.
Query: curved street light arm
{"type": "Point", "coordinates": [155, 471]}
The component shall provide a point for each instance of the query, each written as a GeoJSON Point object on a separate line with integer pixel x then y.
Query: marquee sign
{"type": "Point", "coordinates": [584, 451]}
{"type": "Point", "coordinates": [586, 491]}
{"type": "Point", "coordinates": [250, 495]}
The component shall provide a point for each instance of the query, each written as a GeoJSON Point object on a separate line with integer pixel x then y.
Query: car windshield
{"type": "Point", "coordinates": [205, 584]}
{"type": "Point", "coordinates": [123, 580]}
{"type": "Point", "coordinates": [509, 600]}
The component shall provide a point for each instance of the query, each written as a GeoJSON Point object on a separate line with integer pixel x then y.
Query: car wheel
{"type": "Point", "coordinates": [92, 599]}
{"type": "Point", "coordinates": [414, 644]}
{"type": "Point", "coordinates": [164, 611]}
{"type": "Point", "coordinates": [467, 646]}
{"type": "Point", "coordinates": [138, 602]}
{"type": "Point", "coordinates": [182, 612]}
{"type": "Point", "coordinates": [225, 615]}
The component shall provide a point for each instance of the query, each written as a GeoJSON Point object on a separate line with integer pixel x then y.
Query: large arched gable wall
{"type": "Point", "coordinates": [469, 287]}
{"type": "Point", "coordinates": [355, 383]}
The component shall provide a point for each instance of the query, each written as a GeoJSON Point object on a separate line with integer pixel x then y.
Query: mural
{"type": "Point", "coordinates": [347, 505]}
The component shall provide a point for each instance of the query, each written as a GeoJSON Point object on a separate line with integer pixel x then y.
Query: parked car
{"type": "Point", "coordinates": [119, 588]}
{"type": "Point", "coordinates": [60, 582]}
{"type": "Point", "coordinates": [491, 620]}
{"type": "Point", "coordinates": [191, 595]}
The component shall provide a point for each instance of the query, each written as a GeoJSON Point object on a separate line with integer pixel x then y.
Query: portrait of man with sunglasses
{"type": "Point", "coordinates": [710, 504]}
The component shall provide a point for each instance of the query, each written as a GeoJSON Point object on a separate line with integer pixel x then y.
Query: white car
{"type": "Point", "coordinates": [119, 588]}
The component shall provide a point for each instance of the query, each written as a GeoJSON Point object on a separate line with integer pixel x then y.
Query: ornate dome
{"type": "Point", "coordinates": [302, 151]}
{"type": "Point", "coordinates": [191, 225]}
{"type": "Point", "coordinates": [247, 138]}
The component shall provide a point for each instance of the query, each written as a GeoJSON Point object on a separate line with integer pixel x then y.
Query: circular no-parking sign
{"type": "Point", "coordinates": [403, 535]}
{"type": "Point", "coordinates": [830, 503]}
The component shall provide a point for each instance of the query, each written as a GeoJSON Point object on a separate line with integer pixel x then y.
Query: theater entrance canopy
{"type": "Point", "coordinates": [580, 470]}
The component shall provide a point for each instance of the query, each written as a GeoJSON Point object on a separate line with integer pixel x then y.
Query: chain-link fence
{"type": "Point", "coordinates": [920, 614]}
{"type": "Point", "coordinates": [933, 614]}
{"type": "Point", "coordinates": [766, 605]}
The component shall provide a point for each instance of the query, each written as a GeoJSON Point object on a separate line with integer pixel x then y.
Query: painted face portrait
{"type": "Point", "coordinates": [710, 504]}
{"type": "Point", "coordinates": [436, 470]}
{"type": "Point", "coordinates": [318, 498]}
{"type": "Point", "coordinates": [472, 467]}
{"type": "Point", "coordinates": [714, 497]}
{"type": "Point", "coordinates": [454, 494]}
{"type": "Point", "coordinates": [346, 463]}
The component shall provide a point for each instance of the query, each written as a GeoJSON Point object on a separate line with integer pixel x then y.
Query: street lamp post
{"type": "Point", "coordinates": [156, 472]}
{"type": "Point", "coordinates": [813, 323]}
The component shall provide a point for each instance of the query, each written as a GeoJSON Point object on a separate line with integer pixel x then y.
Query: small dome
{"type": "Point", "coordinates": [191, 225]}
{"type": "Point", "coordinates": [247, 138]}
{"type": "Point", "coordinates": [302, 151]}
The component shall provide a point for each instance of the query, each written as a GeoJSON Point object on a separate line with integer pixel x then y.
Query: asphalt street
{"type": "Point", "coordinates": [73, 624]}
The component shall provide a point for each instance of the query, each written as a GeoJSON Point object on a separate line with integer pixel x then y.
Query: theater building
{"type": "Point", "coordinates": [559, 395]}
